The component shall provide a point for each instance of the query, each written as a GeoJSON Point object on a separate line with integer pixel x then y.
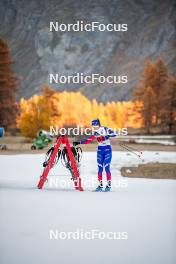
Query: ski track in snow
{"type": "Point", "coordinates": [144, 208]}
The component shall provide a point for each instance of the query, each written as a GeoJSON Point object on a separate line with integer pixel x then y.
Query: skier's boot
{"type": "Point", "coordinates": [100, 187]}
{"type": "Point", "coordinates": [108, 187]}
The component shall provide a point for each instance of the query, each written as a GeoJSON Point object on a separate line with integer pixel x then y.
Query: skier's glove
{"type": "Point", "coordinates": [75, 143]}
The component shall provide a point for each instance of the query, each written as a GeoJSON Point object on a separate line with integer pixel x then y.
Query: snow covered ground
{"type": "Point", "coordinates": [143, 139]}
{"type": "Point", "coordinates": [144, 209]}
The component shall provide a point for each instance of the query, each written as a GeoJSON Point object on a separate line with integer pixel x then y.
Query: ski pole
{"type": "Point", "coordinates": [130, 150]}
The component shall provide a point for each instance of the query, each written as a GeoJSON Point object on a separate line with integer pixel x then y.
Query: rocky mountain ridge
{"type": "Point", "coordinates": [38, 52]}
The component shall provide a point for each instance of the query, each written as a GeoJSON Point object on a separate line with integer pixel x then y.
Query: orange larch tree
{"type": "Point", "coordinates": [8, 87]}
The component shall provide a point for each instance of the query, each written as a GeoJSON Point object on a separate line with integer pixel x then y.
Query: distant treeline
{"type": "Point", "coordinates": [69, 109]}
{"type": "Point", "coordinates": [157, 93]}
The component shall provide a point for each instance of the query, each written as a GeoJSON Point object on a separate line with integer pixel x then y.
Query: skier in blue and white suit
{"type": "Point", "coordinates": [104, 151]}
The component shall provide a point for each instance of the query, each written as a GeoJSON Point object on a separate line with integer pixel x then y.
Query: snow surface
{"type": "Point", "coordinates": [144, 208]}
{"type": "Point", "coordinates": [154, 139]}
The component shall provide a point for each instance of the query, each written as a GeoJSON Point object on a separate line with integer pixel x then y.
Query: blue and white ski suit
{"type": "Point", "coordinates": [104, 151]}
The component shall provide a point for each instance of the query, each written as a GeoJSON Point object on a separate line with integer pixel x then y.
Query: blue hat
{"type": "Point", "coordinates": [96, 122]}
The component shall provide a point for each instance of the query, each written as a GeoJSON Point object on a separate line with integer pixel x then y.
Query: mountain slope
{"type": "Point", "coordinates": [37, 52]}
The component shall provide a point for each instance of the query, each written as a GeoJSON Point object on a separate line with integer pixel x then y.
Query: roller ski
{"type": "Point", "coordinates": [100, 187]}
{"type": "Point", "coordinates": [108, 187]}
{"type": "Point", "coordinates": [70, 158]}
